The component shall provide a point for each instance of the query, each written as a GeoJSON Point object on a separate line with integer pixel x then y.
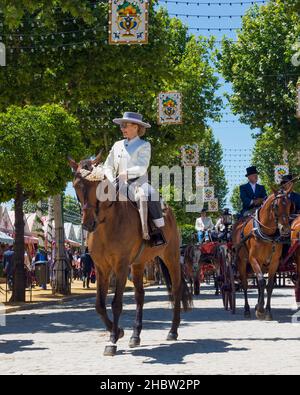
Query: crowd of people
{"type": "Point", "coordinates": [81, 266]}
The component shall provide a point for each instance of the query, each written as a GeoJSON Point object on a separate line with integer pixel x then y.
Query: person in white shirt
{"type": "Point", "coordinates": [203, 226]}
{"type": "Point", "coordinates": [127, 165]}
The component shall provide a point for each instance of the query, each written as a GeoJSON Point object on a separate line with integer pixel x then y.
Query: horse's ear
{"type": "Point", "coordinates": [274, 189]}
{"type": "Point", "coordinates": [72, 163]}
{"type": "Point", "coordinates": [97, 160]}
{"type": "Point", "coordinates": [289, 187]}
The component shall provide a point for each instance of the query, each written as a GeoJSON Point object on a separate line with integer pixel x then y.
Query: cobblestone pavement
{"type": "Point", "coordinates": [70, 339]}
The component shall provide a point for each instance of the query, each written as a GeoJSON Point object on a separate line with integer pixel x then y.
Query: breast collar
{"type": "Point", "coordinates": [260, 234]}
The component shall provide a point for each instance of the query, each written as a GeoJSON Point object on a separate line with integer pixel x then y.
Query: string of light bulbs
{"type": "Point", "coordinates": [200, 3]}
{"type": "Point", "coordinates": [204, 16]}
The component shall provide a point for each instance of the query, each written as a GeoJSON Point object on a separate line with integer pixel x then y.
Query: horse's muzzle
{"type": "Point", "coordinates": [284, 230]}
{"type": "Point", "coordinates": [90, 227]}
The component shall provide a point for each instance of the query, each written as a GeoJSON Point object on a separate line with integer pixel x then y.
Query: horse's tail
{"type": "Point", "coordinates": [186, 296]}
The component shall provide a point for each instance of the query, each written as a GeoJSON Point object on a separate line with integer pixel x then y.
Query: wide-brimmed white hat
{"type": "Point", "coordinates": [132, 117]}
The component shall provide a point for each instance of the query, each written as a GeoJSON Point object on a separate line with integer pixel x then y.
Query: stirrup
{"type": "Point", "coordinates": [157, 238]}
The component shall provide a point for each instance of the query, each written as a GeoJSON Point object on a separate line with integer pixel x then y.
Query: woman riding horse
{"type": "Point", "coordinates": [116, 241]}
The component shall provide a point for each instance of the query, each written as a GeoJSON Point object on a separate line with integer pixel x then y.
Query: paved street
{"type": "Point", "coordinates": [69, 339]}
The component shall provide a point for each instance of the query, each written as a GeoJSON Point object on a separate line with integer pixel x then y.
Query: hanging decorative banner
{"type": "Point", "coordinates": [209, 194]}
{"type": "Point", "coordinates": [128, 21]}
{"type": "Point", "coordinates": [202, 176]}
{"type": "Point", "coordinates": [2, 55]}
{"type": "Point", "coordinates": [213, 205]}
{"type": "Point", "coordinates": [189, 155]}
{"type": "Point", "coordinates": [169, 108]}
{"type": "Point", "coordinates": [280, 171]}
{"type": "Point", "coordinates": [298, 100]}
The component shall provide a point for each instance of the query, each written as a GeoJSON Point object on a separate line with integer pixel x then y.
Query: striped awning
{"type": "Point", "coordinates": [4, 238]}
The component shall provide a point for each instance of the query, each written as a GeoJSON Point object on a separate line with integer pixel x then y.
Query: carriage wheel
{"type": "Point", "coordinates": [227, 280]}
{"type": "Point", "coordinates": [230, 277]}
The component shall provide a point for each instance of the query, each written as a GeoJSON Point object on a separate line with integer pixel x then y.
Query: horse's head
{"type": "Point", "coordinates": [87, 176]}
{"type": "Point", "coordinates": [281, 208]}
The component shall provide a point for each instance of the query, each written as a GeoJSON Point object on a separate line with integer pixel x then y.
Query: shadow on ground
{"type": "Point", "coordinates": [174, 353]}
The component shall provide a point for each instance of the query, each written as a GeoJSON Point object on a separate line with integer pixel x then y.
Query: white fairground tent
{"type": "Point", "coordinates": [70, 235]}
{"type": "Point", "coordinates": [5, 239]}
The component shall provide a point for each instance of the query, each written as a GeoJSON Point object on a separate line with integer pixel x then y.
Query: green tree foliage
{"type": "Point", "coordinates": [235, 199]}
{"type": "Point", "coordinates": [71, 210]}
{"type": "Point", "coordinates": [261, 71]}
{"type": "Point", "coordinates": [268, 152]}
{"type": "Point", "coordinates": [98, 83]}
{"type": "Point", "coordinates": [34, 145]}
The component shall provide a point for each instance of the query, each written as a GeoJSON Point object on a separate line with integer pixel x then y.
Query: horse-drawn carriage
{"type": "Point", "coordinates": [231, 266]}
{"type": "Point", "coordinates": [230, 281]}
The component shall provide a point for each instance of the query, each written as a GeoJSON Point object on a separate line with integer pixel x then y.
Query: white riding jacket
{"type": "Point", "coordinates": [131, 156]}
{"type": "Point", "coordinates": [203, 224]}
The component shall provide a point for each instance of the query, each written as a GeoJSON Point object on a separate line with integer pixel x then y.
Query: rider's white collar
{"type": "Point", "coordinates": [129, 142]}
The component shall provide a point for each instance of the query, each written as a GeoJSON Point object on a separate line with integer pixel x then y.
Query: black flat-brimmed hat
{"type": "Point", "coordinates": [132, 117]}
{"type": "Point", "coordinates": [226, 211]}
{"type": "Point", "coordinates": [251, 170]}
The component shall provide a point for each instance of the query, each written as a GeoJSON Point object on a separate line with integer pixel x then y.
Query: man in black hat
{"type": "Point", "coordinates": [252, 194]}
{"type": "Point", "coordinates": [294, 196]}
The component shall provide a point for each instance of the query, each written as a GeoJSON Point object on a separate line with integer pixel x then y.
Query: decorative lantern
{"type": "Point", "coordinates": [227, 218]}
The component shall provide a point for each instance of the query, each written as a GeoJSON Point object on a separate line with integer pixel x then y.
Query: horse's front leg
{"type": "Point", "coordinates": [270, 288]}
{"type": "Point", "coordinates": [102, 289]}
{"type": "Point", "coordinates": [271, 281]}
{"type": "Point", "coordinates": [297, 285]}
{"type": "Point", "coordinates": [117, 333]}
{"type": "Point", "coordinates": [137, 278]}
{"type": "Point", "coordinates": [260, 307]}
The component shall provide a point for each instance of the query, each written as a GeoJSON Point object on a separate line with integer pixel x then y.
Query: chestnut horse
{"type": "Point", "coordinates": [257, 241]}
{"type": "Point", "coordinates": [295, 239]}
{"type": "Point", "coordinates": [116, 245]}
{"type": "Point", "coordinates": [192, 269]}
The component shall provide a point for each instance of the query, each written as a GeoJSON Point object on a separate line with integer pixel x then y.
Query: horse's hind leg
{"type": "Point", "coordinates": [117, 305]}
{"type": "Point", "coordinates": [137, 278]}
{"type": "Point", "coordinates": [179, 289]}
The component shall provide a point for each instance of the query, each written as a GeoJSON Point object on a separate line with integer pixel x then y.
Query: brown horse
{"type": "Point", "coordinates": [192, 269]}
{"type": "Point", "coordinates": [257, 241]}
{"type": "Point", "coordinates": [116, 245]}
{"type": "Point", "coordinates": [295, 239]}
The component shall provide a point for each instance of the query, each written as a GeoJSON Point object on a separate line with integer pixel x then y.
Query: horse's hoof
{"type": "Point", "coordinates": [134, 342]}
{"type": "Point", "coordinates": [260, 315]}
{"type": "Point", "coordinates": [268, 317]}
{"type": "Point", "coordinates": [172, 336]}
{"type": "Point", "coordinates": [110, 351]}
{"type": "Point", "coordinates": [121, 333]}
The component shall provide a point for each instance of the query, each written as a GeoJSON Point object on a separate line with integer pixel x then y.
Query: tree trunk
{"type": "Point", "coordinates": [62, 268]}
{"type": "Point", "coordinates": [19, 281]}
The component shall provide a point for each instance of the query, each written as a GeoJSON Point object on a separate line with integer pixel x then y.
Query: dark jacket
{"type": "Point", "coordinates": [8, 262]}
{"type": "Point", "coordinates": [247, 195]}
{"type": "Point", "coordinates": [295, 198]}
{"type": "Point", "coordinates": [87, 263]}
